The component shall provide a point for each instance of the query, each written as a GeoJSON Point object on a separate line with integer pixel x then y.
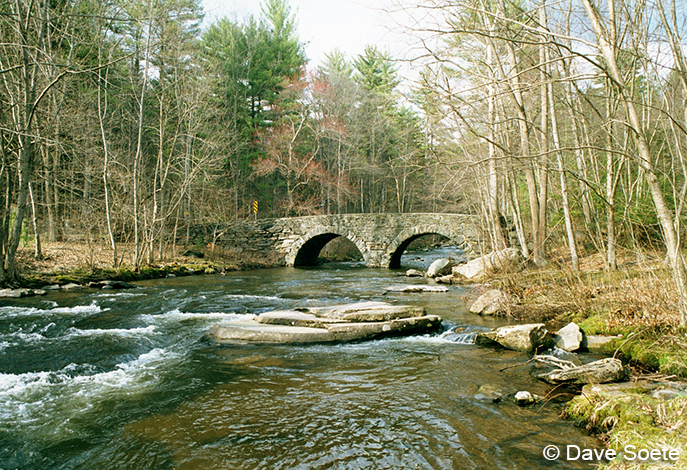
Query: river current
{"type": "Point", "coordinates": [126, 380]}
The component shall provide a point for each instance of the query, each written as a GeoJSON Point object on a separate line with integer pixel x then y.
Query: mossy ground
{"type": "Point", "coordinates": [635, 419]}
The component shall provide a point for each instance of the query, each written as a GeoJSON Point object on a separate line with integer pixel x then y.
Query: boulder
{"type": "Point", "coordinates": [440, 267]}
{"type": "Point", "coordinates": [71, 286]}
{"type": "Point", "coordinates": [411, 288]}
{"type": "Point", "coordinates": [525, 338]}
{"type": "Point", "coordinates": [15, 293]}
{"type": "Point", "coordinates": [492, 302]}
{"type": "Point", "coordinates": [109, 284]}
{"type": "Point", "coordinates": [509, 258]}
{"type": "Point", "coordinates": [449, 279]}
{"type": "Point", "coordinates": [569, 338]}
{"type": "Point", "coordinates": [294, 318]}
{"type": "Point", "coordinates": [415, 273]}
{"type": "Point", "coordinates": [364, 311]}
{"type": "Point", "coordinates": [667, 394]}
{"type": "Point", "coordinates": [524, 398]}
{"type": "Point", "coordinates": [598, 372]}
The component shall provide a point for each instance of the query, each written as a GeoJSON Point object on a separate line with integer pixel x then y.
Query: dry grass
{"type": "Point", "coordinates": [638, 302]}
{"type": "Point", "coordinates": [639, 294]}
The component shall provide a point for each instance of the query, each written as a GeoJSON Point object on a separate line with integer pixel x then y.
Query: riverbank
{"type": "Point", "coordinates": [637, 304]}
{"type": "Point", "coordinates": [64, 263]}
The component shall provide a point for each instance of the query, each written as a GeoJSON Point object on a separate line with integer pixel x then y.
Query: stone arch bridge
{"type": "Point", "coordinates": [381, 238]}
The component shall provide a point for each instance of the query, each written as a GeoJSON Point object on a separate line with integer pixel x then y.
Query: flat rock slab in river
{"type": "Point", "coordinates": [410, 288]}
{"type": "Point", "coordinates": [364, 311]}
{"type": "Point", "coordinates": [254, 331]}
{"type": "Point", "coordinates": [342, 323]}
{"type": "Point", "coordinates": [294, 318]}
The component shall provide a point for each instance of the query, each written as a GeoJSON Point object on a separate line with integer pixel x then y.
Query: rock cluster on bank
{"type": "Point", "coordinates": [105, 285]}
{"type": "Point", "coordinates": [535, 336]}
{"type": "Point", "coordinates": [445, 271]}
{"type": "Point", "coordinates": [340, 323]}
{"type": "Point", "coordinates": [19, 293]}
{"type": "Point", "coordinates": [532, 338]}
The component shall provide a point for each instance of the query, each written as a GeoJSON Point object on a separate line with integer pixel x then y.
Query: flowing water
{"type": "Point", "coordinates": [126, 380]}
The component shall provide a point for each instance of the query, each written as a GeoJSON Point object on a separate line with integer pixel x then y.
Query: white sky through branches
{"type": "Point", "coordinates": [324, 25]}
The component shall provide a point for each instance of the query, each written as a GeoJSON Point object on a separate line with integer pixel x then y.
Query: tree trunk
{"type": "Point", "coordinates": [570, 232]}
{"type": "Point", "coordinates": [499, 239]}
{"type": "Point", "coordinates": [611, 258]}
{"type": "Point", "coordinates": [102, 112]}
{"type": "Point", "coordinates": [542, 162]}
{"type": "Point", "coordinates": [38, 253]}
{"type": "Point", "coordinates": [515, 90]}
{"type": "Point", "coordinates": [609, 49]}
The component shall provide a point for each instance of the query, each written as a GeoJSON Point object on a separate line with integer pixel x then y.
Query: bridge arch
{"type": "Point", "coordinates": [407, 236]}
{"type": "Point", "coordinates": [305, 250]}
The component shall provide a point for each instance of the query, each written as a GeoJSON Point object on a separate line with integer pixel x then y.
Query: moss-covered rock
{"type": "Point", "coordinates": [631, 415]}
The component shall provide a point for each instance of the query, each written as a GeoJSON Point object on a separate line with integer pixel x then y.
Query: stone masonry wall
{"type": "Point", "coordinates": [375, 235]}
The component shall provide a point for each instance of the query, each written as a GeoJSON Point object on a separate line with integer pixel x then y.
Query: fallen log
{"type": "Point", "coordinates": [598, 372]}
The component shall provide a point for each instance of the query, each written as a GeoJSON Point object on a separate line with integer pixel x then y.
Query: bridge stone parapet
{"type": "Point", "coordinates": [381, 238]}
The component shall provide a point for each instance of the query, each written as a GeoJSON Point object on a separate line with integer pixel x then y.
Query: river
{"type": "Point", "coordinates": [126, 380]}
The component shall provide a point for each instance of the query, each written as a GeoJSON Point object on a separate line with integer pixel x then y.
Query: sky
{"type": "Point", "coordinates": [324, 25]}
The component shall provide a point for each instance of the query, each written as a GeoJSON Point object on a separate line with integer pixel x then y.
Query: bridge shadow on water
{"type": "Point", "coordinates": [417, 252]}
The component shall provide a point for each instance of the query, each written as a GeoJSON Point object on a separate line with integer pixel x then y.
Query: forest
{"type": "Point", "coordinates": [128, 123]}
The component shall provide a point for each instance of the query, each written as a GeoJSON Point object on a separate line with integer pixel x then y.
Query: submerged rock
{"type": "Point", "coordinates": [72, 286]}
{"type": "Point", "coordinates": [16, 293]}
{"type": "Point", "coordinates": [525, 338]}
{"type": "Point", "coordinates": [489, 392]}
{"type": "Point", "coordinates": [340, 323]}
{"type": "Point", "coordinates": [109, 284]}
